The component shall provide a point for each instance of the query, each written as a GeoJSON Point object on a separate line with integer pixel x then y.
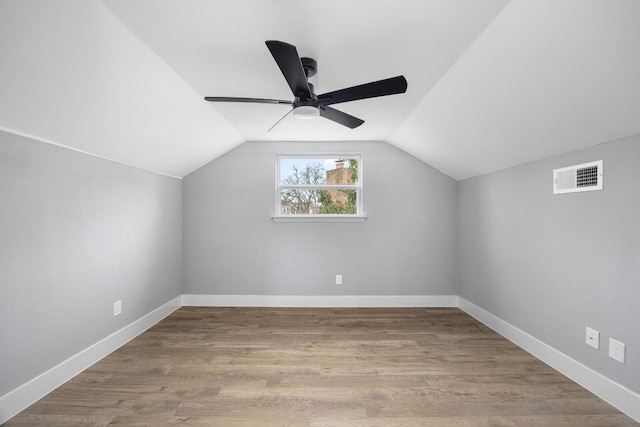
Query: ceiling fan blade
{"type": "Point", "coordinates": [391, 86]}
{"type": "Point", "coordinates": [253, 100]}
{"type": "Point", "coordinates": [288, 60]}
{"type": "Point", "coordinates": [340, 117]}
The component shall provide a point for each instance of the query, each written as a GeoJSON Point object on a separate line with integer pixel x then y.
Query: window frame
{"type": "Point", "coordinates": [358, 186]}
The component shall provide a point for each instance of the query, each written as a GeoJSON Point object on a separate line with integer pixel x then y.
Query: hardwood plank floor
{"type": "Point", "coordinates": [230, 367]}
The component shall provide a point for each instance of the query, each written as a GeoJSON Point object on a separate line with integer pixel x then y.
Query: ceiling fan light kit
{"type": "Point", "coordinates": [306, 104]}
{"type": "Point", "coordinates": [306, 112]}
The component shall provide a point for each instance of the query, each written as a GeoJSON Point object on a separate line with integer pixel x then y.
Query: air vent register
{"type": "Point", "coordinates": [573, 179]}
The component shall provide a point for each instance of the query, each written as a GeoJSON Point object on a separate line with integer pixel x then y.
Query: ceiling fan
{"type": "Point", "coordinates": [306, 104]}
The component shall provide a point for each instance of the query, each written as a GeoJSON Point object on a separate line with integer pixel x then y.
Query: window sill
{"type": "Point", "coordinates": [319, 218]}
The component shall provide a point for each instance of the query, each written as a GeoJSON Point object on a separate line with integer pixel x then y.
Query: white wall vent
{"type": "Point", "coordinates": [573, 179]}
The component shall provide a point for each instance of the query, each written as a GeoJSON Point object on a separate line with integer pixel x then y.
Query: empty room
{"type": "Point", "coordinates": [336, 213]}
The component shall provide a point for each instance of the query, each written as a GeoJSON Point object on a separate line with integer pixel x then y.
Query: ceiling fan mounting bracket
{"type": "Point", "coordinates": [310, 66]}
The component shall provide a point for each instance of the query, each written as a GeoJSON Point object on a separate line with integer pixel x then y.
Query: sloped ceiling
{"type": "Point", "coordinates": [492, 83]}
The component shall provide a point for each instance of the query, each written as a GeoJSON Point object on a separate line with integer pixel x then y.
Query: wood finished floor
{"type": "Point", "coordinates": [320, 367]}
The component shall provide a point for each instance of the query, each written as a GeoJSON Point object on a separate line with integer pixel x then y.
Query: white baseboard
{"type": "Point", "coordinates": [319, 300]}
{"type": "Point", "coordinates": [617, 395]}
{"type": "Point", "coordinates": [27, 394]}
{"type": "Point", "coordinates": [17, 400]}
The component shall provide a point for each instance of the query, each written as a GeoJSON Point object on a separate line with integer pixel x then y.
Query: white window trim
{"type": "Point", "coordinates": [319, 218]}
{"type": "Point", "coordinates": [359, 217]}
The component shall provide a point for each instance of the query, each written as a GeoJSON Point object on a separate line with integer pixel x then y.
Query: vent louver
{"type": "Point", "coordinates": [573, 179]}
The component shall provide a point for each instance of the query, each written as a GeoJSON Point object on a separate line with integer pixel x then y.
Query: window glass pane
{"type": "Point", "coordinates": [299, 201]}
{"type": "Point", "coordinates": [295, 201]}
{"type": "Point", "coordinates": [330, 171]}
{"type": "Point", "coordinates": [334, 202]}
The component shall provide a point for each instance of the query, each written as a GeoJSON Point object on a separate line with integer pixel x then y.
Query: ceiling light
{"type": "Point", "coordinates": [306, 112]}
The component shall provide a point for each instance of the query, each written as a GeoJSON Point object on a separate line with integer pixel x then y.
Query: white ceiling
{"type": "Point", "coordinates": [491, 83]}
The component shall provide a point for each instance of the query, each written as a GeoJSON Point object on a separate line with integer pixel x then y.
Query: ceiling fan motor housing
{"type": "Point", "coordinates": [302, 101]}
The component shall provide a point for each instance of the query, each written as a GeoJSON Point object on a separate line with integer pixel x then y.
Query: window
{"type": "Point", "coordinates": [319, 187]}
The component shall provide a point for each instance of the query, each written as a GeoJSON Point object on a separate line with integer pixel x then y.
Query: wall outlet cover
{"type": "Point", "coordinates": [592, 338]}
{"type": "Point", "coordinates": [616, 350]}
{"type": "Point", "coordinates": [117, 308]}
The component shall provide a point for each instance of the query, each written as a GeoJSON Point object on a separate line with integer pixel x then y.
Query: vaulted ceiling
{"type": "Point", "coordinates": [491, 83]}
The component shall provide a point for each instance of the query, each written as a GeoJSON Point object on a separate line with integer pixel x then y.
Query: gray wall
{"type": "Point", "coordinates": [233, 247]}
{"type": "Point", "coordinates": [77, 234]}
{"type": "Point", "coordinates": [553, 264]}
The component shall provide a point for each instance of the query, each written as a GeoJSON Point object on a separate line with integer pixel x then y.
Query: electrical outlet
{"type": "Point", "coordinates": [338, 279]}
{"type": "Point", "coordinates": [616, 350]}
{"type": "Point", "coordinates": [117, 308]}
{"type": "Point", "coordinates": [593, 338]}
